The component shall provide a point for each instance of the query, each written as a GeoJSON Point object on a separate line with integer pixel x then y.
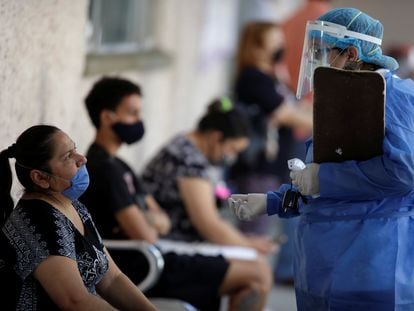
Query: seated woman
{"type": "Point", "coordinates": [59, 255]}
{"type": "Point", "coordinates": [177, 177]}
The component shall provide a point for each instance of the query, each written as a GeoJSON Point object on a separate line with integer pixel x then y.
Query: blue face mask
{"type": "Point", "coordinates": [129, 133]}
{"type": "Point", "coordinates": [79, 183]}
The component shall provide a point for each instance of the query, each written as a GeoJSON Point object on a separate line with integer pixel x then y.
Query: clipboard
{"type": "Point", "coordinates": [348, 115]}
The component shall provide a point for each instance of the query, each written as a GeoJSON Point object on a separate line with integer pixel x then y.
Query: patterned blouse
{"type": "Point", "coordinates": [36, 230]}
{"type": "Point", "coordinates": [179, 158]}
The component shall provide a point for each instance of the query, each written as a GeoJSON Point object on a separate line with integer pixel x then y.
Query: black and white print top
{"type": "Point", "coordinates": [36, 230]}
{"type": "Point", "coordinates": [179, 158]}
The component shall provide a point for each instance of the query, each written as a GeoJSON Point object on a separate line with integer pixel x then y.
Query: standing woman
{"type": "Point", "coordinates": [58, 254]}
{"type": "Point", "coordinates": [261, 88]}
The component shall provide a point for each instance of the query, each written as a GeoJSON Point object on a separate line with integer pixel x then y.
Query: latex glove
{"type": "Point", "coordinates": [248, 206]}
{"type": "Point", "coordinates": [307, 180]}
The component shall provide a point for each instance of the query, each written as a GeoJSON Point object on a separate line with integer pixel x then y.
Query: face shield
{"type": "Point", "coordinates": [320, 39]}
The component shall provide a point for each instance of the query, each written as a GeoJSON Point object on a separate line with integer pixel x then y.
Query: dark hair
{"type": "Point", "coordinates": [32, 150]}
{"type": "Point", "coordinates": [107, 93]}
{"type": "Point", "coordinates": [222, 116]}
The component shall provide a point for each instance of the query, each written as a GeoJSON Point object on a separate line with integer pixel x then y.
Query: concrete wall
{"type": "Point", "coordinates": [41, 65]}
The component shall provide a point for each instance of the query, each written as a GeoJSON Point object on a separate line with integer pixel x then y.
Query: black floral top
{"type": "Point", "coordinates": [36, 230]}
{"type": "Point", "coordinates": [179, 158]}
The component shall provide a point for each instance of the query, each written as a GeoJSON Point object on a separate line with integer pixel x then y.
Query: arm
{"type": "Point", "coordinates": [135, 225]}
{"type": "Point", "coordinates": [391, 174]}
{"type": "Point", "coordinates": [248, 206]}
{"type": "Point", "coordinates": [200, 206]}
{"type": "Point", "coordinates": [116, 288]}
{"type": "Point", "coordinates": [157, 217]}
{"type": "Point", "coordinates": [60, 278]}
{"type": "Point", "coordinates": [291, 115]}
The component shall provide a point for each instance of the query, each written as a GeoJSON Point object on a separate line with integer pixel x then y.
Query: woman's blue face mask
{"type": "Point", "coordinates": [79, 184]}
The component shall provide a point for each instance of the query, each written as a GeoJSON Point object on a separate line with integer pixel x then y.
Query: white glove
{"type": "Point", "coordinates": [307, 180]}
{"type": "Point", "coordinates": [248, 206]}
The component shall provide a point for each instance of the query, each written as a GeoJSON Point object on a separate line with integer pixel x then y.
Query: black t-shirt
{"type": "Point", "coordinates": [113, 186]}
{"type": "Point", "coordinates": [259, 95]}
{"type": "Point", "coordinates": [36, 230]}
{"type": "Point", "coordinates": [255, 88]}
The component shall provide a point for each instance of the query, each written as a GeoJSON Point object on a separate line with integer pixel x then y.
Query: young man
{"type": "Point", "coordinates": [122, 209]}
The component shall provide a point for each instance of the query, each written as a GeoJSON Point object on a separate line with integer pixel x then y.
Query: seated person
{"type": "Point", "coordinates": [58, 253]}
{"type": "Point", "coordinates": [177, 178]}
{"type": "Point", "coordinates": [124, 210]}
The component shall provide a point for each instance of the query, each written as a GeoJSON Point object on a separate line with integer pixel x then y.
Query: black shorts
{"type": "Point", "coordinates": [195, 279]}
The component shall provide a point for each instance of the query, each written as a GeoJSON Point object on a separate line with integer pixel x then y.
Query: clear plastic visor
{"type": "Point", "coordinates": [320, 41]}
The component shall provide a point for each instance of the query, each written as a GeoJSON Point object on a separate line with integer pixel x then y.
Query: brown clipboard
{"type": "Point", "coordinates": [348, 115]}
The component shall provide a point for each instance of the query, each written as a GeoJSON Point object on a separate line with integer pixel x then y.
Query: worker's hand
{"type": "Point", "coordinates": [248, 206]}
{"type": "Point", "coordinates": [307, 180]}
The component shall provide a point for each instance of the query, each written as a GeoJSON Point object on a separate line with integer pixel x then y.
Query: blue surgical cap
{"type": "Point", "coordinates": [357, 21]}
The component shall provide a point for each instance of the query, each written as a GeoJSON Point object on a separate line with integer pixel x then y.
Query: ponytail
{"type": "Point", "coordinates": [6, 179]}
{"type": "Point", "coordinates": [33, 150]}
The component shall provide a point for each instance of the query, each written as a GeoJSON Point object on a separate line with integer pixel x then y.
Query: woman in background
{"type": "Point", "coordinates": [178, 179]}
{"type": "Point", "coordinates": [261, 89]}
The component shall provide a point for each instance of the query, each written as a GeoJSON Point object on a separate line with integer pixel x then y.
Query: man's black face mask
{"type": "Point", "coordinates": [129, 133]}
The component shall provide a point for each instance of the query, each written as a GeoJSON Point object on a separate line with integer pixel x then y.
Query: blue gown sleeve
{"type": "Point", "coordinates": [391, 174]}
{"type": "Point", "coordinates": [274, 203]}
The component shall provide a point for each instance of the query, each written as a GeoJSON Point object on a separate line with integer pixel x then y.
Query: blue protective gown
{"type": "Point", "coordinates": [355, 243]}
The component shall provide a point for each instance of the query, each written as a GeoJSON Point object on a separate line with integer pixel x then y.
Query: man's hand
{"type": "Point", "coordinates": [307, 180]}
{"type": "Point", "coordinates": [159, 220]}
{"type": "Point", "coordinates": [248, 206]}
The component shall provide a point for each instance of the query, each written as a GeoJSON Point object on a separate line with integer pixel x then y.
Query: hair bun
{"type": "Point", "coordinates": [221, 105]}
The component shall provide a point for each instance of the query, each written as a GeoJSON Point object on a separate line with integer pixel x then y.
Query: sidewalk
{"type": "Point", "coordinates": [282, 298]}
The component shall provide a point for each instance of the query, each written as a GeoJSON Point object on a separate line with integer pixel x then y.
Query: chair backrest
{"type": "Point", "coordinates": [128, 249]}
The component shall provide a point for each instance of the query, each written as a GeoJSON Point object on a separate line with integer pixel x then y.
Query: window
{"type": "Point", "coordinates": [120, 36]}
{"type": "Point", "coordinates": [120, 26]}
